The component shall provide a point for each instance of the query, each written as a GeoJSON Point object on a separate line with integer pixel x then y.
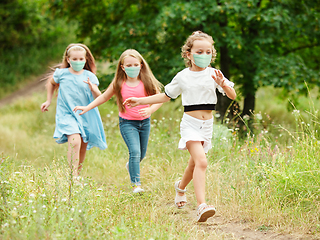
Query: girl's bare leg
{"type": "Point", "coordinates": [186, 178]}
{"type": "Point", "coordinates": [195, 170]}
{"type": "Point", "coordinates": [83, 151]}
{"type": "Point", "coordinates": [74, 143]}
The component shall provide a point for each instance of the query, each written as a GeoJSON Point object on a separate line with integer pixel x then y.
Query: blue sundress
{"type": "Point", "coordinates": [74, 92]}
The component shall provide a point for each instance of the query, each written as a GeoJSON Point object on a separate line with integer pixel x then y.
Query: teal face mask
{"type": "Point", "coordinates": [77, 65]}
{"type": "Point", "coordinates": [202, 60]}
{"type": "Point", "coordinates": [132, 71]}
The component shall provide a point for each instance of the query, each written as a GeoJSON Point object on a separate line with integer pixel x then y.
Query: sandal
{"type": "Point", "coordinates": [179, 199]}
{"type": "Point", "coordinates": [205, 211]}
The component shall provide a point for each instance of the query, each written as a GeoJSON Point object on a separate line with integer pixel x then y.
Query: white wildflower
{"type": "Point", "coordinates": [217, 115]}
{"type": "Point", "coordinates": [258, 116]}
{"type": "Point", "coordinates": [246, 117]}
{"type": "Point", "coordinates": [296, 112]}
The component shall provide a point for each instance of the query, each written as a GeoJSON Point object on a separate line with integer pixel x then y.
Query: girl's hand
{"type": "Point", "coordinates": [44, 106]}
{"type": "Point", "coordinates": [131, 102]}
{"type": "Point", "coordinates": [218, 78]}
{"type": "Point", "coordinates": [93, 88]}
{"type": "Point", "coordinates": [81, 108]}
{"type": "Point", "coordinates": [89, 83]}
{"type": "Point", "coordinates": [145, 112]}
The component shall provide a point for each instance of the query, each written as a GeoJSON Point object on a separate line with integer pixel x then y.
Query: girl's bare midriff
{"type": "Point", "coordinates": [201, 114]}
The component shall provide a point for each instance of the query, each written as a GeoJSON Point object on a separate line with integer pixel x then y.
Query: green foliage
{"type": "Point", "coordinates": [26, 23]}
{"type": "Point", "coordinates": [31, 40]}
{"type": "Point", "coordinates": [257, 34]}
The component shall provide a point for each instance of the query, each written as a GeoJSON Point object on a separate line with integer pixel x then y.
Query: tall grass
{"type": "Point", "coordinates": [265, 179]}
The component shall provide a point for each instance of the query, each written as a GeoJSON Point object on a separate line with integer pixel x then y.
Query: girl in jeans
{"type": "Point", "coordinates": [133, 78]}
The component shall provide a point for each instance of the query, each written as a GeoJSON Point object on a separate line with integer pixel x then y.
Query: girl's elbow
{"type": "Point", "coordinates": [166, 98]}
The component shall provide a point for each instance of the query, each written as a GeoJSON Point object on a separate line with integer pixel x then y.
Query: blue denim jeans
{"type": "Point", "coordinates": [135, 133]}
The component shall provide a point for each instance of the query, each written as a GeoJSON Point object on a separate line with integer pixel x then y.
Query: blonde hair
{"type": "Point", "coordinates": [151, 84]}
{"type": "Point", "coordinates": [186, 48]}
{"type": "Point", "coordinates": [90, 62]}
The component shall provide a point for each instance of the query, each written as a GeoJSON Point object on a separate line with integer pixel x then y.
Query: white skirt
{"type": "Point", "coordinates": [193, 129]}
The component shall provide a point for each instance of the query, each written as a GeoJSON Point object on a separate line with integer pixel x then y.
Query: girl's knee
{"type": "Point", "coordinates": [202, 163]}
{"type": "Point", "coordinates": [135, 156]}
{"type": "Point", "coordinates": [74, 143]}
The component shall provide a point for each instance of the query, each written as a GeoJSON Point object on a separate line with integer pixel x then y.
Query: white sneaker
{"type": "Point", "coordinates": [138, 190]}
{"type": "Point", "coordinates": [127, 167]}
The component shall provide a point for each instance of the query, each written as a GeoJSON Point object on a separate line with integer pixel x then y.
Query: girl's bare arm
{"type": "Point", "coordinates": [97, 102]}
{"type": "Point", "coordinates": [50, 90]}
{"type": "Point", "coordinates": [154, 99]}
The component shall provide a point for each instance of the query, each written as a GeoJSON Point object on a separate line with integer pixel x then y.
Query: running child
{"type": "Point", "coordinates": [133, 78]}
{"type": "Point", "coordinates": [197, 85]}
{"type": "Point", "coordinates": [77, 84]}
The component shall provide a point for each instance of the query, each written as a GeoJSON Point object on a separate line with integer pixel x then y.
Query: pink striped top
{"type": "Point", "coordinates": [137, 91]}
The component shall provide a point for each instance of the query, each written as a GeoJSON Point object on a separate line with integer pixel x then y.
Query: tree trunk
{"type": "Point", "coordinates": [223, 106]}
{"type": "Point", "coordinates": [249, 104]}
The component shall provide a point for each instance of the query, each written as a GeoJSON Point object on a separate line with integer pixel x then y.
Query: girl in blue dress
{"type": "Point", "coordinates": [77, 85]}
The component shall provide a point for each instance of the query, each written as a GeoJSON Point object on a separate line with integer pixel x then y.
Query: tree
{"type": "Point", "coordinates": [259, 42]}
{"type": "Point", "coordinates": [24, 23]}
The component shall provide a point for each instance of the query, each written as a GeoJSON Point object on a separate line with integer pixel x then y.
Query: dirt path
{"type": "Point", "coordinates": [234, 229]}
{"type": "Point", "coordinates": [237, 229]}
{"type": "Point", "coordinates": [227, 229]}
{"type": "Point", "coordinates": [35, 86]}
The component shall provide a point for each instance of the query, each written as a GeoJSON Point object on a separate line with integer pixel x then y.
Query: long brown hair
{"type": "Point", "coordinates": [90, 62]}
{"type": "Point", "coordinates": [151, 84]}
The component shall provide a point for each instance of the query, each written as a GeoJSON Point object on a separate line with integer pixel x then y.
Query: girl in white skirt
{"type": "Point", "coordinates": [197, 85]}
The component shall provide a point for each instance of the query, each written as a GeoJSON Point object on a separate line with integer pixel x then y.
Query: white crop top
{"type": "Point", "coordinates": [196, 88]}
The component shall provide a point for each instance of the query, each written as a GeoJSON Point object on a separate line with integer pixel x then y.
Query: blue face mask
{"type": "Point", "coordinates": [77, 65]}
{"type": "Point", "coordinates": [132, 71]}
{"type": "Point", "coordinates": [202, 60]}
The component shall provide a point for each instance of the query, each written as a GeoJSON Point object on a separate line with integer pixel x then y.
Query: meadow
{"type": "Point", "coordinates": [270, 178]}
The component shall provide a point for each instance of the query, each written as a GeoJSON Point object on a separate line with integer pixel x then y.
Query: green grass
{"type": "Point", "coordinates": [270, 179]}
